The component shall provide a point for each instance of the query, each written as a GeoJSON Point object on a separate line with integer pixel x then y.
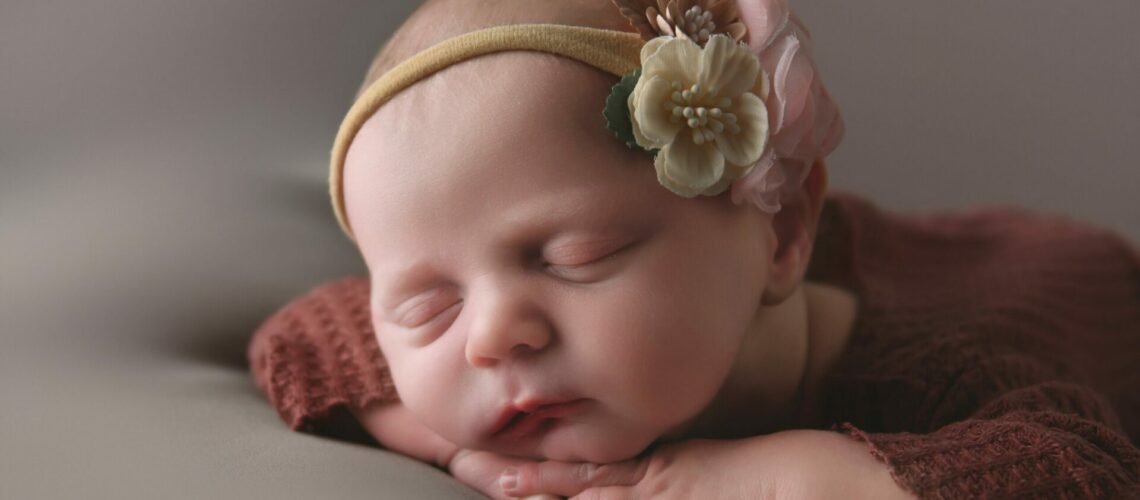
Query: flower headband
{"type": "Point", "coordinates": [716, 113]}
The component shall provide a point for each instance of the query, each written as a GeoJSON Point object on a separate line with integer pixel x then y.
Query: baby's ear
{"type": "Point", "coordinates": [794, 229]}
{"type": "Point", "coordinates": [764, 20]}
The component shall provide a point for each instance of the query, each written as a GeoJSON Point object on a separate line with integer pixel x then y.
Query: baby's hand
{"type": "Point", "coordinates": [481, 470]}
{"type": "Point", "coordinates": [801, 464]}
{"type": "Point", "coordinates": [396, 429]}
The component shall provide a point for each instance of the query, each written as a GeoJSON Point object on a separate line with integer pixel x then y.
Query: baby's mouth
{"type": "Point", "coordinates": [518, 416]}
{"type": "Point", "coordinates": [516, 424]}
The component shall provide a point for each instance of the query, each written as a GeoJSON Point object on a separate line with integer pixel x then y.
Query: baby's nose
{"type": "Point", "coordinates": [504, 330]}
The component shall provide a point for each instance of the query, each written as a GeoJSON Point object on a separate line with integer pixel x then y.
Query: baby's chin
{"type": "Point", "coordinates": [581, 447]}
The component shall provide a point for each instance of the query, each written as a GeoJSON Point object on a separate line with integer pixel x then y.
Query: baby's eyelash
{"type": "Point", "coordinates": [585, 252]}
{"type": "Point", "coordinates": [585, 264]}
{"type": "Point", "coordinates": [562, 269]}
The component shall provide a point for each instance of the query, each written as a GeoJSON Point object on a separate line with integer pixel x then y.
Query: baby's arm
{"type": "Point", "coordinates": [793, 465]}
{"type": "Point", "coordinates": [318, 352]}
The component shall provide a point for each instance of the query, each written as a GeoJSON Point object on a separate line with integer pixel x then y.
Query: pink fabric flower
{"type": "Point", "coordinates": [805, 123]}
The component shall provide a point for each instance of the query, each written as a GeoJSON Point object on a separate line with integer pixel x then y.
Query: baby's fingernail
{"type": "Point", "coordinates": [509, 480]}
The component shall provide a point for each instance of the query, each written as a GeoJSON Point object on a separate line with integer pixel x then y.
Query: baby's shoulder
{"type": "Point", "coordinates": [985, 235]}
{"type": "Point", "coordinates": [983, 275]}
{"type": "Point", "coordinates": [988, 287]}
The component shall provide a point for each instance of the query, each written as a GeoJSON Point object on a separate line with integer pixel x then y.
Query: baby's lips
{"type": "Point", "coordinates": [505, 416]}
{"type": "Point", "coordinates": [527, 424]}
{"type": "Point", "coordinates": [512, 414]}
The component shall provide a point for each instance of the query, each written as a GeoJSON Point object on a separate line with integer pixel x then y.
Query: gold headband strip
{"type": "Point", "coordinates": [616, 52]}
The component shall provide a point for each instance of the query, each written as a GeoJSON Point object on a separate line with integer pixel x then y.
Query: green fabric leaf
{"type": "Point", "coordinates": [617, 110]}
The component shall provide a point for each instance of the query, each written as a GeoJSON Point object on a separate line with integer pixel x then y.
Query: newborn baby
{"type": "Point", "coordinates": [522, 259]}
{"type": "Point", "coordinates": [561, 312]}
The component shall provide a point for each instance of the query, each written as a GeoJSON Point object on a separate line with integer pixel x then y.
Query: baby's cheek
{"type": "Point", "coordinates": [436, 388]}
{"type": "Point", "coordinates": [411, 376]}
{"type": "Point", "coordinates": [636, 384]}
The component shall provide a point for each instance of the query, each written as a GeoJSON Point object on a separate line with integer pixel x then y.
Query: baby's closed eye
{"type": "Point", "coordinates": [589, 265]}
{"type": "Point", "coordinates": [576, 262]}
{"type": "Point", "coordinates": [428, 307]}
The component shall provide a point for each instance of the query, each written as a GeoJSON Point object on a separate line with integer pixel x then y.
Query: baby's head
{"type": "Point", "coordinates": [520, 254]}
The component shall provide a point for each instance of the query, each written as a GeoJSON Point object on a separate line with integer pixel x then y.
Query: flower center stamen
{"type": "Point", "coordinates": [699, 108]}
{"type": "Point", "coordinates": [697, 23]}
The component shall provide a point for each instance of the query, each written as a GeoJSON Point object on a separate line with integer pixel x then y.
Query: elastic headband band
{"type": "Point", "coordinates": [616, 52]}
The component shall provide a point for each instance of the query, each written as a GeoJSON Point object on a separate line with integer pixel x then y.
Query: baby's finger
{"type": "Point", "coordinates": [568, 479]}
{"type": "Point", "coordinates": [480, 470]}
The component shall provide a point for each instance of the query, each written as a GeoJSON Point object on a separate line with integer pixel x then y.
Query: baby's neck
{"type": "Point", "coordinates": [775, 380]}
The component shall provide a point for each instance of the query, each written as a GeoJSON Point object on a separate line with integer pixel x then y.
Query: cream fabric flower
{"type": "Point", "coordinates": [698, 107]}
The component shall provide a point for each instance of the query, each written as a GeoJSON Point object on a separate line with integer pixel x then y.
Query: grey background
{"type": "Point", "coordinates": [162, 190]}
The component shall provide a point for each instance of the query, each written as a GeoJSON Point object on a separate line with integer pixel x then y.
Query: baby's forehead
{"type": "Point", "coordinates": [504, 108]}
{"type": "Point", "coordinates": [509, 95]}
{"type": "Point", "coordinates": [490, 135]}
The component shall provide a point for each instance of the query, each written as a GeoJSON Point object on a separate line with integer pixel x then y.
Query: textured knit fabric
{"type": "Point", "coordinates": [995, 352]}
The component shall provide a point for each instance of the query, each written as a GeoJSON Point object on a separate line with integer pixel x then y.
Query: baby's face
{"type": "Point", "coordinates": [519, 254]}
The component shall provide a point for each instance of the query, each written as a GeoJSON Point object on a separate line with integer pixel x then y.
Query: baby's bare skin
{"type": "Point", "coordinates": [397, 429]}
{"type": "Point", "coordinates": [547, 182]}
{"type": "Point", "coordinates": [498, 176]}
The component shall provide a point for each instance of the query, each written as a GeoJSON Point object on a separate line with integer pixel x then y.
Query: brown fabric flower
{"type": "Point", "coordinates": [694, 20]}
{"type": "Point", "coordinates": [642, 15]}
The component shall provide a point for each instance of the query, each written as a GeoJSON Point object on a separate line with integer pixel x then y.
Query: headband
{"type": "Point", "coordinates": [715, 113]}
{"type": "Point", "coordinates": [613, 51]}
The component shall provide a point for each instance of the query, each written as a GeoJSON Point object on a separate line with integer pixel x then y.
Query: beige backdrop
{"type": "Point", "coordinates": [162, 189]}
